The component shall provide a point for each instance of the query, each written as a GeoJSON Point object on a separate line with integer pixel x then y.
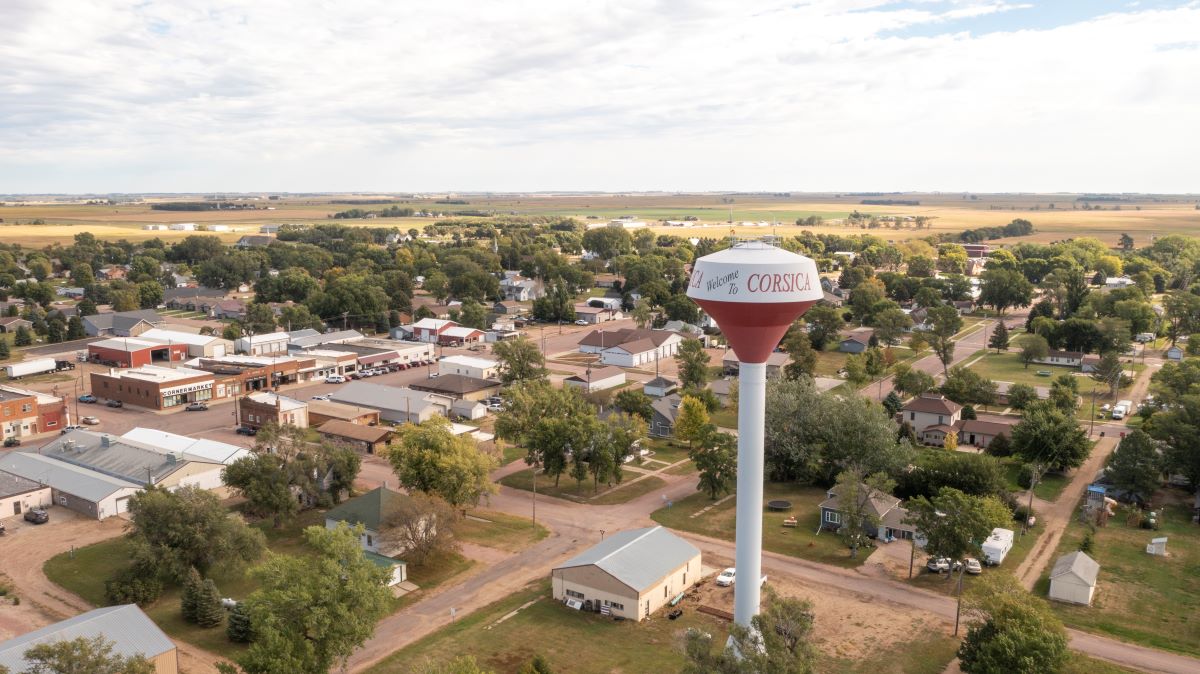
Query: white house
{"type": "Point", "coordinates": [1113, 282]}
{"type": "Point", "coordinates": [929, 410]}
{"type": "Point", "coordinates": [631, 347]}
{"type": "Point", "coordinates": [470, 366]}
{"type": "Point", "coordinates": [597, 380]}
{"type": "Point", "coordinates": [1073, 579]}
{"type": "Point", "coordinates": [593, 315]}
{"type": "Point", "coordinates": [1063, 358]}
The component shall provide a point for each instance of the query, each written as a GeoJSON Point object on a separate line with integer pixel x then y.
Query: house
{"type": "Point", "coordinates": [606, 280]}
{"type": "Point", "coordinates": [20, 494]}
{"type": "Point", "coordinates": [111, 272]}
{"type": "Point", "coordinates": [660, 387]}
{"type": "Point", "coordinates": [133, 461]}
{"type": "Point", "coordinates": [977, 251]}
{"type": "Point", "coordinates": [885, 507]}
{"type": "Point", "coordinates": [231, 309]}
{"type": "Point", "coordinates": [321, 411]}
{"type": "Point", "coordinates": [507, 308]}
{"type": "Point", "coordinates": [87, 492]}
{"type": "Point", "coordinates": [460, 387]}
{"type": "Point", "coordinates": [1064, 358]}
{"type": "Point", "coordinates": [963, 306]}
{"type": "Point", "coordinates": [363, 438]}
{"type": "Point", "coordinates": [263, 345]}
{"type": "Point", "coordinates": [470, 366]}
{"type": "Point", "coordinates": [857, 341]}
{"type": "Point", "coordinates": [438, 331]}
{"type": "Point", "coordinates": [597, 380]}
{"type": "Point", "coordinates": [980, 433]}
{"type": "Point", "coordinates": [662, 421]}
{"type": "Point", "coordinates": [1174, 353]}
{"type": "Point", "coordinates": [1073, 579]}
{"type": "Point", "coordinates": [594, 315]}
{"type": "Point", "coordinates": [12, 324]}
{"type": "Point", "coordinates": [122, 323]}
{"type": "Point", "coordinates": [832, 299]}
{"type": "Point", "coordinates": [1114, 282]}
{"type": "Point", "coordinates": [261, 408]}
{"type": "Point", "coordinates": [129, 630]}
{"type": "Point", "coordinates": [73, 293]}
{"type": "Point", "coordinates": [722, 389]}
{"type": "Point", "coordinates": [775, 363]}
{"type": "Point", "coordinates": [936, 435]}
{"type": "Point", "coordinates": [930, 409]}
{"type": "Point", "coordinates": [394, 404]}
{"type": "Point", "coordinates": [254, 241]}
{"type": "Point", "coordinates": [518, 289]}
{"type": "Point", "coordinates": [630, 574]}
{"type": "Point", "coordinates": [631, 347]}
{"type": "Point", "coordinates": [372, 511]}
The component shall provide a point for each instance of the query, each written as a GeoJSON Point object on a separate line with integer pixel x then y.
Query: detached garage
{"type": "Point", "coordinates": [630, 574]}
{"type": "Point", "coordinates": [19, 494]}
{"type": "Point", "coordinates": [84, 491]}
{"type": "Point", "coordinates": [1073, 579]}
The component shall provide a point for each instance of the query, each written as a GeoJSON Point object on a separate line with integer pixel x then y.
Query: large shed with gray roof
{"type": "Point", "coordinates": [629, 574]}
{"type": "Point", "coordinates": [129, 630]}
{"type": "Point", "coordinates": [80, 489]}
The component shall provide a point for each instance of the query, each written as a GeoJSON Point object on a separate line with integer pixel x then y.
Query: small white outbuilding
{"type": "Point", "coordinates": [1073, 579]}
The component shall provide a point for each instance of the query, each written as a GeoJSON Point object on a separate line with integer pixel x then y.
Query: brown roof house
{"type": "Point", "coordinates": [363, 438]}
{"type": "Point", "coordinates": [885, 507]}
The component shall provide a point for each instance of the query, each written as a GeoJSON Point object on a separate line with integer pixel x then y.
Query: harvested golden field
{"type": "Point", "coordinates": [1139, 216]}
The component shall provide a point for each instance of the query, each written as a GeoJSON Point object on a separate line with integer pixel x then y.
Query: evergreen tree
{"type": "Point", "coordinates": [240, 629]}
{"type": "Point", "coordinates": [75, 328]}
{"type": "Point", "coordinates": [999, 338]}
{"type": "Point", "coordinates": [209, 612]}
{"type": "Point", "coordinates": [5, 350]}
{"type": "Point", "coordinates": [189, 601]}
{"type": "Point", "coordinates": [892, 403]}
{"type": "Point", "coordinates": [23, 338]}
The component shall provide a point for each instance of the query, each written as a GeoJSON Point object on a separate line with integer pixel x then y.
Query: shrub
{"type": "Point", "coordinates": [1025, 476]}
{"type": "Point", "coordinates": [1088, 543]}
{"type": "Point", "coordinates": [132, 587]}
{"type": "Point", "coordinates": [1022, 513]}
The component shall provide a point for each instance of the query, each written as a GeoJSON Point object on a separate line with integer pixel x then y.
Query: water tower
{"type": "Point", "coordinates": [754, 291]}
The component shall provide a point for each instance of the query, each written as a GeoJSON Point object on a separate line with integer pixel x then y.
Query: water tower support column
{"type": "Point", "coordinates": [752, 405]}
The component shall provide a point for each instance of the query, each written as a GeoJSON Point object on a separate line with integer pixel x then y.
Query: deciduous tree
{"type": "Point", "coordinates": [520, 360]}
{"type": "Point", "coordinates": [799, 349]}
{"type": "Point", "coordinates": [692, 421]}
{"type": "Point", "coordinates": [855, 493]}
{"type": "Point", "coordinates": [777, 642]}
{"type": "Point", "coordinates": [945, 323]}
{"type": "Point", "coordinates": [421, 524]}
{"type": "Point", "coordinates": [912, 382]}
{"type": "Point", "coordinates": [1033, 348]}
{"type": "Point", "coordinates": [693, 364]}
{"type": "Point", "coordinates": [1048, 436]}
{"type": "Point", "coordinates": [427, 457]}
{"type": "Point", "coordinates": [1010, 630]}
{"type": "Point", "coordinates": [715, 457]}
{"type": "Point", "coordinates": [83, 656]}
{"type": "Point", "coordinates": [824, 323]}
{"type": "Point", "coordinates": [955, 524]}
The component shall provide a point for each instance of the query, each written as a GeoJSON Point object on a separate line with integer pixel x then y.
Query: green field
{"type": "Point", "coordinates": [1154, 601]}
{"type": "Point", "coordinates": [585, 492]}
{"type": "Point", "coordinates": [501, 531]}
{"type": "Point", "coordinates": [799, 541]}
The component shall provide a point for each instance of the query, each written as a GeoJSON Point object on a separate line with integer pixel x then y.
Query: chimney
{"type": "Point", "coordinates": [105, 440]}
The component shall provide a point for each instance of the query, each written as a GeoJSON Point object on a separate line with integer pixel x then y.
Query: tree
{"type": "Point", "coordinates": [956, 524]}
{"type": "Point", "coordinates": [1126, 242]}
{"type": "Point", "coordinates": [892, 404]}
{"type": "Point", "coordinates": [803, 358]}
{"type": "Point", "coordinates": [172, 532]}
{"type": "Point", "coordinates": [855, 494]}
{"type": "Point", "coordinates": [692, 422]}
{"type": "Point", "coordinates": [1136, 466]}
{"type": "Point", "coordinates": [1021, 396]}
{"type": "Point", "coordinates": [1179, 429]}
{"type": "Point", "coordinates": [967, 387]}
{"type": "Point", "coordinates": [262, 480]}
{"type": "Point", "coordinates": [891, 324]}
{"type": "Point", "coordinates": [951, 441]}
{"type": "Point", "coordinates": [1005, 288]}
{"type": "Point", "coordinates": [310, 613]}
{"type": "Point", "coordinates": [473, 314]}
{"type": "Point", "coordinates": [875, 365]}
{"type": "Point", "coordinates": [427, 457]}
{"type": "Point", "coordinates": [1110, 371]}
{"type": "Point", "coordinates": [260, 319]}
{"type": "Point", "coordinates": [1000, 446]}
{"type": "Point", "coordinates": [421, 524]}
{"type": "Point", "coordinates": [999, 338]}
{"type": "Point", "coordinates": [921, 266]}
{"type": "Point", "coordinates": [1033, 348]}
{"type": "Point", "coordinates": [547, 421]}
{"type": "Point", "coordinates": [777, 642]}
{"type": "Point", "coordinates": [189, 596]}
{"type": "Point", "coordinates": [945, 323]}
{"type": "Point", "coordinates": [209, 612]}
{"type": "Point", "coordinates": [1064, 393]}
{"type": "Point", "coordinates": [635, 403]}
{"type": "Point", "coordinates": [1182, 311]}
{"type": "Point", "coordinates": [912, 382]}
{"type": "Point", "coordinates": [1010, 630]}
{"type": "Point", "coordinates": [5, 350]}
{"type": "Point", "coordinates": [520, 360]}
{"type": "Point", "coordinates": [642, 313]}
{"type": "Point", "coordinates": [23, 336]}
{"type": "Point", "coordinates": [856, 369]}
{"type": "Point", "coordinates": [239, 629]}
{"type": "Point", "coordinates": [1050, 437]}
{"type": "Point", "coordinates": [693, 364]}
{"type": "Point", "coordinates": [75, 328]}
{"type": "Point", "coordinates": [538, 665]}
{"type": "Point", "coordinates": [824, 322]}
{"type": "Point", "coordinates": [716, 460]}
{"type": "Point", "coordinates": [83, 656]}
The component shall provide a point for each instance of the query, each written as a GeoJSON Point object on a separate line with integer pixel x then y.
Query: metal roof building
{"type": "Point", "coordinates": [79, 489]}
{"type": "Point", "coordinates": [167, 442]}
{"type": "Point", "coordinates": [131, 461]}
{"type": "Point", "coordinates": [129, 630]}
{"type": "Point", "coordinates": [630, 573]}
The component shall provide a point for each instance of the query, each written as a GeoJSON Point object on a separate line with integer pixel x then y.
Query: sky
{"type": "Point", "coordinates": [639, 95]}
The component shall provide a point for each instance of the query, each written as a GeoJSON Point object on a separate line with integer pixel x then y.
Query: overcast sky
{"type": "Point", "coordinates": [393, 95]}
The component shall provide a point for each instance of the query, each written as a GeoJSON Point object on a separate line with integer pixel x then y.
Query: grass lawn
{"type": "Point", "coordinates": [665, 450]}
{"type": "Point", "coordinates": [829, 362]}
{"type": "Point", "coordinates": [583, 492]}
{"type": "Point", "coordinates": [1082, 664]}
{"type": "Point", "coordinates": [503, 531]}
{"type": "Point", "coordinates": [511, 453]}
{"type": "Point", "coordinates": [1048, 488]}
{"type": "Point", "coordinates": [581, 643]}
{"type": "Point", "coordinates": [1008, 367]}
{"type": "Point", "coordinates": [1022, 546]}
{"type": "Point", "coordinates": [927, 653]}
{"type": "Point", "coordinates": [799, 541]}
{"type": "Point", "coordinates": [1154, 601]}
{"type": "Point", "coordinates": [437, 569]}
{"type": "Point", "coordinates": [726, 417]}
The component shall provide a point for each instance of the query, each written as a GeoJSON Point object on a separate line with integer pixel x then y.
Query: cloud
{"type": "Point", "coordinates": [540, 94]}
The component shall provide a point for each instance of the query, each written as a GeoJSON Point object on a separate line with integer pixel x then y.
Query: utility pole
{"type": "Point", "coordinates": [958, 608]}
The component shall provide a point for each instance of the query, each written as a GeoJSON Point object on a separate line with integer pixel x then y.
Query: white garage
{"type": "Point", "coordinates": [1073, 579]}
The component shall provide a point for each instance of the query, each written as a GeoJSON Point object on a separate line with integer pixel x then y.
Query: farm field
{"type": "Point", "coordinates": [1142, 216]}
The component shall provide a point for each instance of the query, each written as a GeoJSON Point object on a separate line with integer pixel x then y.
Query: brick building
{"type": "Point", "coordinates": [158, 387]}
{"type": "Point", "coordinates": [135, 352]}
{"type": "Point", "coordinates": [259, 409]}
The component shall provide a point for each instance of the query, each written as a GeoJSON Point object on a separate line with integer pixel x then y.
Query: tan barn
{"type": "Point", "coordinates": [130, 631]}
{"type": "Point", "coordinates": [630, 574]}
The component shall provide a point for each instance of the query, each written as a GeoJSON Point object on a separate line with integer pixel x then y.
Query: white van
{"type": "Point", "coordinates": [335, 379]}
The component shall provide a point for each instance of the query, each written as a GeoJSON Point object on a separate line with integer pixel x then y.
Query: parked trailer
{"type": "Point", "coordinates": [29, 367]}
{"type": "Point", "coordinates": [1122, 408]}
{"type": "Point", "coordinates": [996, 547]}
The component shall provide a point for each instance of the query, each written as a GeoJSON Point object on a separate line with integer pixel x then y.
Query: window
{"type": "Point", "coordinates": [574, 594]}
{"type": "Point", "coordinates": [833, 517]}
{"type": "Point", "coordinates": [912, 416]}
{"type": "Point", "coordinates": [664, 591]}
{"type": "Point", "coordinates": [939, 418]}
{"type": "Point", "coordinates": [26, 407]}
{"type": "Point", "coordinates": [619, 607]}
{"type": "Point", "coordinates": [370, 540]}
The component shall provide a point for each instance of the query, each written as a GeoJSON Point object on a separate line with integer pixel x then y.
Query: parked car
{"type": "Point", "coordinates": [90, 421]}
{"type": "Point", "coordinates": [37, 516]}
{"type": "Point", "coordinates": [727, 577]}
{"type": "Point", "coordinates": [12, 442]}
{"type": "Point", "coordinates": [494, 407]}
{"type": "Point", "coordinates": [335, 379]}
{"type": "Point", "coordinates": [974, 567]}
{"type": "Point", "coordinates": [581, 322]}
{"type": "Point", "coordinates": [321, 397]}
{"type": "Point", "coordinates": [115, 403]}
{"type": "Point", "coordinates": [68, 429]}
{"type": "Point", "coordinates": [196, 407]}
{"type": "Point", "coordinates": [938, 565]}
{"type": "Point", "coordinates": [434, 375]}
{"type": "Point", "coordinates": [246, 430]}
{"type": "Point", "coordinates": [87, 398]}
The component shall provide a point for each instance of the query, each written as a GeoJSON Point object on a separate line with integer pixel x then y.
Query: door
{"type": "Point", "coordinates": [16, 507]}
